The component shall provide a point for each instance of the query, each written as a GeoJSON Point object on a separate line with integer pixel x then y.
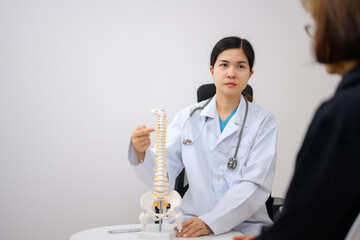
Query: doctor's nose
{"type": "Point", "coordinates": [231, 73]}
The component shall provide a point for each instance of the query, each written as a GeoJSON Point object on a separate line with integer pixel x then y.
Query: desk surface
{"type": "Point", "coordinates": [102, 233]}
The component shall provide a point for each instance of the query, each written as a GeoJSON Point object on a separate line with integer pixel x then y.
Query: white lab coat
{"type": "Point", "coordinates": [223, 198]}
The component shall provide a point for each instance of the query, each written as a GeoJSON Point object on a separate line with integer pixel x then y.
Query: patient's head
{"type": "Point", "coordinates": [337, 30]}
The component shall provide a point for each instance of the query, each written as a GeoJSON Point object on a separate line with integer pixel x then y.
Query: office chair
{"type": "Point", "coordinates": [206, 91]}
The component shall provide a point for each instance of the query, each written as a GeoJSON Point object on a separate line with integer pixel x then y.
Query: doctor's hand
{"type": "Point", "coordinates": [194, 227]}
{"type": "Point", "coordinates": [244, 237]}
{"type": "Point", "coordinates": [140, 138]}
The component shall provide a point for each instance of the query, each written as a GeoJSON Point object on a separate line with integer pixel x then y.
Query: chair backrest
{"type": "Point", "coordinates": [206, 91]}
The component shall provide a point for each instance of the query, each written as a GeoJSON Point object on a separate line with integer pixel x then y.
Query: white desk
{"type": "Point", "coordinates": [102, 233]}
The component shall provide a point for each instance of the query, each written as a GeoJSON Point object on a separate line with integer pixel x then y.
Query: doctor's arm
{"type": "Point", "coordinates": [142, 158]}
{"type": "Point", "coordinates": [251, 188]}
{"type": "Point", "coordinates": [140, 155]}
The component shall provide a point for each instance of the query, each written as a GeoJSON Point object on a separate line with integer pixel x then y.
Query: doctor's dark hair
{"type": "Point", "coordinates": [337, 32]}
{"type": "Point", "coordinates": [233, 42]}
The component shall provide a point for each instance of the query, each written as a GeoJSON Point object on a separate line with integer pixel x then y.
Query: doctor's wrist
{"type": "Point", "coordinates": [140, 156]}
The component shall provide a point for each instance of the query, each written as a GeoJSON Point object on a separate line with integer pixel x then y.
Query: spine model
{"type": "Point", "coordinates": [160, 177]}
{"type": "Point", "coordinates": [160, 197]}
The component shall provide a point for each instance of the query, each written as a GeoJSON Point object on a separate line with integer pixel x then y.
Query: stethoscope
{"type": "Point", "coordinates": [232, 163]}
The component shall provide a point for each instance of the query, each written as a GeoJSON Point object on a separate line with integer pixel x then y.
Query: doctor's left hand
{"type": "Point", "coordinates": [194, 227]}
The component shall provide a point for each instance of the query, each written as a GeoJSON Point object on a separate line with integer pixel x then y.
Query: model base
{"type": "Point", "coordinates": [154, 234]}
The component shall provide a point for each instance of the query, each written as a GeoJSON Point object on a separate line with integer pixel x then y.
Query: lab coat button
{"type": "Point", "coordinates": [218, 149]}
{"type": "Point", "coordinates": [218, 177]}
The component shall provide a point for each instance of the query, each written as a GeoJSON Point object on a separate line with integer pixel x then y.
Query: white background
{"type": "Point", "coordinates": [76, 77]}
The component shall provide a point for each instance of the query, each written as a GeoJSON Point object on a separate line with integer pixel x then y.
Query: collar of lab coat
{"type": "Point", "coordinates": [233, 125]}
{"type": "Point", "coordinates": [211, 111]}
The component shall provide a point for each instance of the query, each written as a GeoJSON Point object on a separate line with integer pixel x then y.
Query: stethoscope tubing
{"type": "Point", "coordinates": [242, 128]}
{"type": "Point", "coordinates": [232, 163]}
{"type": "Point", "coordinates": [188, 141]}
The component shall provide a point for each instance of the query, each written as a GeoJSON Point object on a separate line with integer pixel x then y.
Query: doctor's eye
{"type": "Point", "coordinates": [223, 65]}
{"type": "Point", "coordinates": [241, 66]}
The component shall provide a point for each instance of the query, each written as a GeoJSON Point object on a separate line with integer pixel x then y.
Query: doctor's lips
{"type": "Point", "coordinates": [230, 84]}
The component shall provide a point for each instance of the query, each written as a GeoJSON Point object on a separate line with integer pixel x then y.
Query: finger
{"type": "Point", "coordinates": [140, 127]}
{"type": "Point", "coordinates": [199, 229]}
{"type": "Point", "coordinates": [183, 232]}
{"type": "Point", "coordinates": [244, 237]}
{"type": "Point", "coordinates": [142, 146]}
{"type": "Point", "coordinates": [187, 222]}
{"type": "Point", "coordinates": [198, 234]}
{"type": "Point", "coordinates": [136, 135]}
{"type": "Point", "coordinates": [140, 140]}
{"type": "Point", "coordinates": [187, 226]}
{"type": "Point", "coordinates": [191, 226]}
{"type": "Point", "coordinates": [142, 132]}
{"type": "Point", "coordinates": [194, 231]}
{"type": "Point", "coordinates": [146, 130]}
{"type": "Point", "coordinates": [239, 237]}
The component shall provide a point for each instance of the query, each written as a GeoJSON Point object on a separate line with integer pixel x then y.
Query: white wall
{"type": "Point", "coordinates": [76, 77]}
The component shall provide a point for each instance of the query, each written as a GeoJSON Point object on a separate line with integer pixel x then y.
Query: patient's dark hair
{"type": "Point", "coordinates": [233, 42]}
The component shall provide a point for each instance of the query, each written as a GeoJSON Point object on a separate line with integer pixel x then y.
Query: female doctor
{"type": "Point", "coordinates": [222, 196]}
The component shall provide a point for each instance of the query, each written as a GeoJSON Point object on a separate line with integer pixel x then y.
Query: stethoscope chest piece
{"type": "Point", "coordinates": [187, 142]}
{"type": "Point", "coordinates": [232, 163]}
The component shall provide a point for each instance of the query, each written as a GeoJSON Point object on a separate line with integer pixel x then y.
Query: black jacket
{"type": "Point", "coordinates": [323, 198]}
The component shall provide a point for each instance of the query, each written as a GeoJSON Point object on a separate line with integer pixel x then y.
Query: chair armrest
{"type": "Point", "coordinates": [277, 206]}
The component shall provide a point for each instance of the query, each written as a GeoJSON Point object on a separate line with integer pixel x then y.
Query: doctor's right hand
{"type": "Point", "coordinates": [140, 138]}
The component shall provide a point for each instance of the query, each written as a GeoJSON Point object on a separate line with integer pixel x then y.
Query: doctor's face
{"type": "Point", "coordinates": [231, 72]}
